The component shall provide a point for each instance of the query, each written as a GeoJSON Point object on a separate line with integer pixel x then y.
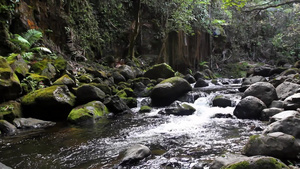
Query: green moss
{"type": "Point", "coordinates": [121, 94]}
{"type": "Point", "coordinates": [240, 165]}
{"type": "Point", "coordinates": [171, 80]}
{"type": "Point", "coordinates": [90, 111]}
{"type": "Point", "coordinates": [145, 109]}
{"type": "Point", "coordinates": [268, 163]}
{"type": "Point", "coordinates": [60, 64]}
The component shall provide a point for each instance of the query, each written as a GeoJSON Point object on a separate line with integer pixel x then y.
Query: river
{"type": "Point", "coordinates": [175, 141]}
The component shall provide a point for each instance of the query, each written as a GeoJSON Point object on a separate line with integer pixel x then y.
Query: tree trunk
{"type": "Point", "coordinates": [135, 27]}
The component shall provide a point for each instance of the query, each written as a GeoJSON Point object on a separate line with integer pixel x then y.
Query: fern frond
{"type": "Point", "coordinates": [20, 41]}
{"type": "Point", "coordinates": [27, 56]}
{"type": "Point", "coordinates": [41, 49]}
{"type": "Point", "coordinates": [33, 36]}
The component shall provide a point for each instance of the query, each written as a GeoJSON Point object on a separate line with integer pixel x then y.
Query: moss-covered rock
{"type": "Point", "coordinates": [52, 103]}
{"type": "Point", "coordinates": [145, 109]}
{"type": "Point", "coordinates": [169, 90]}
{"type": "Point", "coordinates": [65, 80]}
{"type": "Point", "coordinates": [45, 68]}
{"type": "Point", "coordinates": [60, 64]}
{"type": "Point", "coordinates": [88, 113]}
{"type": "Point", "coordinates": [131, 102]}
{"type": "Point", "coordinates": [18, 64]}
{"type": "Point", "coordinates": [33, 82]}
{"type": "Point", "coordinates": [10, 87]}
{"type": "Point", "coordinates": [104, 87]}
{"type": "Point", "coordinates": [85, 78]}
{"type": "Point", "coordinates": [10, 110]}
{"type": "Point", "coordinates": [162, 70]}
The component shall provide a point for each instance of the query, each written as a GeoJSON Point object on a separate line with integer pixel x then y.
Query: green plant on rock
{"type": "Point", "coordinates": [26, 44]}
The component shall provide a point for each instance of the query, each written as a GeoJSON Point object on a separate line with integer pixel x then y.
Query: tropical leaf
{"type": "Point", "coordinates": [44, 49]}
{"type": "Point", "coordinates": [20, 41]}
{"type": "Point", "coordinates": [33, 36]}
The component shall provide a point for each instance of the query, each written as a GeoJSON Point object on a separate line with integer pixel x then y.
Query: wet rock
{"type": "Point", "coordinates": [87, 93]}
{"type": "Point", "coordinates": [282, 115]}
{"type": "Point", "coordinates": [251, 80]}
{"type": "Point", "coordinates": [276, 104]}
{"type": "Point", "coordinates": [167, 91]}
{"type": "Point", "coordinates": [126, 71]}
{"type": "Point", "coordinates": [31, 123]}
{"type": "Point", "coordinates": [160, 71]}
{"type": "Point", "coordinates": [88, 113]}
{"type": "Point", "coordinates": [262, 71]}
{"type": "Point", "coordinates": [7, 128]}
{"type": "Point", "coordinates": [10, 110]}
{"type": "Point", "coordinates": [269, 112]}
{"type": "Point", "coordinates": [189, 78]}
{"type": "Point", "coordinates": [222, 115]}
{"type": "Point", "coordinates": [265, 91]}
{"type": "Point", "coordinates": [116, 105]}
{"type": "Point", "coordinates": [287, 89]}
{"type": "Point", "coordinates": [226, 160]}
{"type": "Point", "coordinates": [249, 107]}
{"type": "Point", "coordinates": [221, 101]}
{"type": "Point", "coordinates": [10, 87]}
{"type": "Point", "coordinates": [65, 80]}
{"type": "Point", "coordinates": [201, 83]}
{"type": "Point", "coordinates": [277, 144]}
{"type": "Point", "coordinates": [145, 109]}
{"type": "Point", "coordinates": [199, 75]}
{"type": "Point", "coordinates": [131, 102]}
{"type": "Point", "coordinates": [289, 125]}
{"type": "Point", "coordinates": [180, 109]}
{"type": "Point", "coordinates": [118, 77]}
{"type": "Point", "coordinates": [292, 102]}
{"type": "Point", "coordinates": [52, 103]}
{"type": "Point", "coordinates": [135, 153]}
{"type": "Point", "coordinates": [2, 166]}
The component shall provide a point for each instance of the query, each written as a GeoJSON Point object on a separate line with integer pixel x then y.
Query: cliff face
{"type": "Point", "coordinates": [68, 28]}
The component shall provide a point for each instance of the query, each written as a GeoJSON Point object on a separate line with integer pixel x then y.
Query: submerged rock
{"type": "Point", "coordinates": [135, 154]}
{"type": "Point", "coordinates": [52, 103]}
{"type": "Point", "coordinates": [88, 113]}
{"type": "Point", "coordinates": [30, 123]}
{"type": "Point", "coordinates": [249, 107]}
{"type": "Point", "coordinates": [169, 90]}
{"type": "Point", "coordinates": [277, 144]}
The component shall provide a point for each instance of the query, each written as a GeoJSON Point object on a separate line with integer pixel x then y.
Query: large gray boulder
{"type": "Point", "coordinates": [251, 80]}
{"type": "Point", "coordinates": [289, 125]}
{"type": "Point", "coordinates": [162, 70]}
{"type": "Point", "coordinates": [167, 91]}
{"type": "Point", "coordinates": [292, 102]}
{"type": "Point", "coordinates": [265, 91]}
{"type": "Point", "coordinates": [277, 144]}
{"type": "Point", "coordinates": [127, 72]}
{"type": "Point", "coordinates": [53, 103]}
{"type": "Point", "coordinates": [244, 162]}
{"type": "Point", "coordinates": [249, 107]}
{"type": "Point", "coordinates": [287, 89]}
{"type": "Point", "coordinates": [135, 153]}
{"type": "Point", "coordinates": [87, 93]}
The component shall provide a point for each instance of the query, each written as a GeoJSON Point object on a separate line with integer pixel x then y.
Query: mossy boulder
{"type": "Point", "coordinates": [104, 87]}
{"type": "Point", "coordinates": [60, 64]}
{"type": "Point", "coordinates": [85, 78]}
{"type": "Point", "coordinates": [116, 105]}
{"type": "Point", "coordinates": [10, 110]}
{"type": "Point", "coordinates": [33, 82]}
{"type": "Point", "coordinates": [87, 93]}
{"type": "Point", "coordinates": [127, 71]}
{"type": "Point", "coordinates": [10, 87]}
{"type": "Point", "coordinates": [52, 103]}
{"type": "Point", "coordinates": [167, 91]}
{"type": "Point", "coordinates": [88, 113]}
{"type": "Point", "coordinates": [18, 64]}
{"type": "Point", "coordinates": [44, 68]}
{"type": "Point", "coordinates": [162, 70]}
{"type": "Point", "coordinates": [65, 80]}
{"type": "Point", "coordinates": [180, 109]}
{"type": "Point", "coordinates": [145, 109]}
{"type": "Point", "coordinates": [131, 102]}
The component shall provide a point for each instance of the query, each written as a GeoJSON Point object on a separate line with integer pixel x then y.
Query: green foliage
{"type": "Point", "coordinates": [234, 3]}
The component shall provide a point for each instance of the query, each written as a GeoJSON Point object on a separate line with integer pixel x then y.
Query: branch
{"type": "Point", "coordinates": [272, 6]}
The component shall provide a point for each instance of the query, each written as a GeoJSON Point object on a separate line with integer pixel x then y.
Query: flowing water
{"type": "Point", "coordinates": [175, 141]}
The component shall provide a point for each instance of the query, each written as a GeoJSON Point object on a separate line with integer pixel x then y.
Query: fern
{"type": "Point", "coordinates": [33, 36]}
{"type": "Point", "coordinates": [21, 42]}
